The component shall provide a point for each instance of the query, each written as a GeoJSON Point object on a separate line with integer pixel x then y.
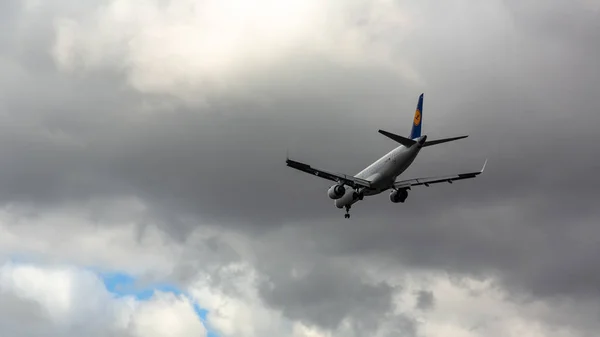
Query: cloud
{"type": "Point", "coordinates": [189, 49]}
{"type": "Point", "coordinates": [323, 298]}
{"type": "Point", "coordinates": [167, 315]}
{"type": "Point", "coordinates": [65, 301]}
{"type": "Point", "coordinates": [239, 302]}
{"type": "Point", "coordinates": [425, 300]}
{"type": "Point", "coordinates": [119, 244]}
{"type": "Point", "coordinates": [149, 138]}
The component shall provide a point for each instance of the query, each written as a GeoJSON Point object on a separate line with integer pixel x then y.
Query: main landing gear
{"type": "Point", "coordinates": [357, 195]}
{"type": "Point", "coordinates": [347, 215]}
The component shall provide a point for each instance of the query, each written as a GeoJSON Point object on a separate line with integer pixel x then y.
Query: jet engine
{"type": "Point", "coordinates": [398, 196]}
{"type": "Point", "coordinates": [348, 199]}
{"type": "Point", "coordinates": [336, 191]}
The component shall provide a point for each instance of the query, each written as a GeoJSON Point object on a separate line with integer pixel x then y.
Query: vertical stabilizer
{"type": "Point", "coordinates": [415, 132]}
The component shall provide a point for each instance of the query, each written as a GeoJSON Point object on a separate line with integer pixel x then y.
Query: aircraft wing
{"type": "Point", "coordinates": [434, 180]}
{"type": "Point", "coordinates": [337, 177]}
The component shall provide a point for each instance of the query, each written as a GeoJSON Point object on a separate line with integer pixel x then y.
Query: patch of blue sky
{"type": "Point", "coordinates": [122, 284]}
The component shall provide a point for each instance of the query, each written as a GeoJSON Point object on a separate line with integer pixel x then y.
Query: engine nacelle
{"type": "Point", "coordinates": [336, 191]}
{"type": "Point", "coordinates": [350, 197]}
{"type": "Point", "coordinates": [398, 196]}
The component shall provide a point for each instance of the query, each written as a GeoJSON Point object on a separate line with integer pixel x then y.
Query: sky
{"type": "Point", "coordinates": [144, 191]}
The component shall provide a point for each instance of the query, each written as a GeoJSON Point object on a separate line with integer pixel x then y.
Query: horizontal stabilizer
{"type": "Point", "coordinates": [440, 141]}
{"type": "Point", "coordinates": [402, 140]}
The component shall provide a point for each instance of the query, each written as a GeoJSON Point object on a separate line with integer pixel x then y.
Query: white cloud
{"type": "Point", "coordinates": [473, 308]}
{"type": "Point", "coordinates": [237, 311]}
{"type": "Point", "coordinates": [181, 47]}
{"type": "Point", "coordinates": [52, 289]}
{"type": "Point", "coordinates": [120, 243]}
{"type": "Point", "coordinates": [75, 302]}
{"type": "Point", "coordinates": [166, 315]}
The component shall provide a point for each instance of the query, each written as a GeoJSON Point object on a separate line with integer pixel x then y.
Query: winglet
{"type": "Point", "coordinates": [484, 164]}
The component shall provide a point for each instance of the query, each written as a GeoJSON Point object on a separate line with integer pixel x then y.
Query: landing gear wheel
{"type": "Point", "coordinates": [347, 215]}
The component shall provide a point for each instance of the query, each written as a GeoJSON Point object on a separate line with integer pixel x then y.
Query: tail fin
{"type": "Point", "coordinates": [415, 132]}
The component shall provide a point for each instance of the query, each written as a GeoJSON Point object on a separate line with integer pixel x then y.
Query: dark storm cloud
{"type": "Point", "coordinates": [527, 97]}
{"type": "Point", "coordinates": [327, 295]}
{"type": "Point", "coordinates": [425, 300]}
{"type": "Point", "coordinates": [536, 119]}
{"type": "Point", "coordinates": [531, 218]}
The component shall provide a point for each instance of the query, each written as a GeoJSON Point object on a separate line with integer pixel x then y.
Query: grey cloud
{"type": "Point", "coordinates": [528, 102]}
{"type": "Point", "coordinates": [326, 296]}
{"type": "Point", "coordinates": [573, 25]}
{"type": "Point", "coordinates": [313, 288]}
{"type": "Point", "coordinates": [20, 317]}
{"type": "Point", "coordinates": [425, 300]}
{"type": "Point", "coordinates": [15, 312]}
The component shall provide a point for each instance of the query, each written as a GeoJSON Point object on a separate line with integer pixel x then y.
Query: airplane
{"type": "Point", "coordinates": [381, 175]}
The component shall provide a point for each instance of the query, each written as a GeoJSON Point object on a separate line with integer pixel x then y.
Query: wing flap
{"type": "Point", "coordinates": [337, 177]}
{"type": "Point", "coordinates": [436, 180]}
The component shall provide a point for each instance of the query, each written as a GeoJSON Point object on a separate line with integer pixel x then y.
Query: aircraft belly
{"type": "Point", "coordinates": [382, 180]}
{"type": "Point", "coordinates": [403, 161]}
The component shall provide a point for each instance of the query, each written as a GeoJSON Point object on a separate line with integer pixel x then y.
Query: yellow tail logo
{"type": "Point", "coordinates": [417, 120]}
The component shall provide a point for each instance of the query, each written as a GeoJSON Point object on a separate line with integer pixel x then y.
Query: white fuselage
{"type": "Point", "coordinates": [383, 173]}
